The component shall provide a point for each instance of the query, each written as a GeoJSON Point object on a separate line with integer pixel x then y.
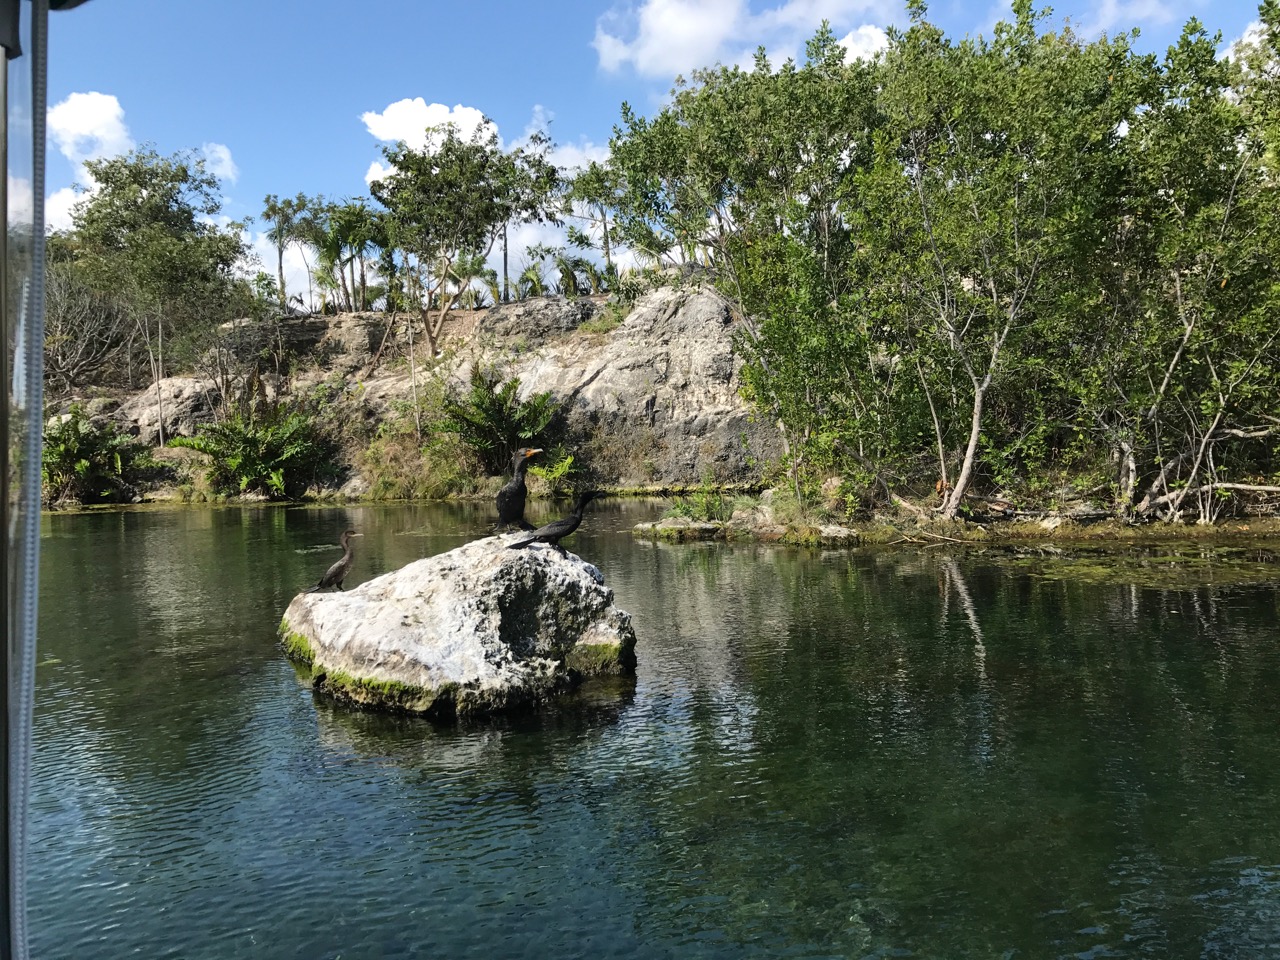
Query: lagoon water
{"type": "Point", "coordinates": [824, 754]}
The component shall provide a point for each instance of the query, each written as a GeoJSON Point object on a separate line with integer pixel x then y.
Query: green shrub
{"type": "Point", "coordinates": [278, 453]}
{"type": "Point", "coordinates": [92, 464]}
{"type": "Point", "coordinates": [399, 466]}
{"type": "Point", "coordinates": [557, 474]}
{"type": "Point", "coordinates": [607, 320]}
{"type": "Point", "coordinates": [706, 504]}
{"type": "Point", "coordinates": [493, 421]}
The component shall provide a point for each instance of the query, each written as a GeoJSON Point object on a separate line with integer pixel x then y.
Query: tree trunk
{"type": "Point", "coordinates": [506, 290]}
{"type": "Point", "coordinates": [413, 381]}
{"type": "Point", "coordinates": [311, 297]}
{"type": "Point", "coordinates": [1128, 481]}
{"type": "Point", "coordinates": [951, 506]}
{"type": "Point", "coordinates": [284, 297]}
{"type": "Point", "coordinates": [340, 270]}
{"type": "Point", "coordinates": [604, 226]}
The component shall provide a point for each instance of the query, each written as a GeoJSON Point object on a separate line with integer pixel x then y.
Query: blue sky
{"type": "Point", "coordinates": [292, 96]}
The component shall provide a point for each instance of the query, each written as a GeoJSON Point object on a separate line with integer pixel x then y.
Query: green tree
{"type": "Point", "coordinates": [1182, 381]}
{"type": "Point", "coordinates": [451, 201]}
{"type": "Point", "coordinates": [593, 196]}
{"type": "Point", "coordinates": [989, 180]}
{"type": "Point", "coordinates": [284, 218]}
{"type": "Point", "coordinates": [148, 234]}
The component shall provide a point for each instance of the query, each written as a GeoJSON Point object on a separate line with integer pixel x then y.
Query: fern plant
{"type": "Point", "coordinates": [492, 420]}
{"type": "Point", "coordinates": [278, 454]}
{"type": "Point", "coordinates": [89, 463]}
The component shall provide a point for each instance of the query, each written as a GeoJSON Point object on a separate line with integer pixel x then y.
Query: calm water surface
{"type": "Point", "coordinates": [824, 755]}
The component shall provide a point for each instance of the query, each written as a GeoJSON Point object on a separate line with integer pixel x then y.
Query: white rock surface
{"type": "Point", "coordinates": [184, 402]}
{"type": "Point", "coordinates": [477, 629]}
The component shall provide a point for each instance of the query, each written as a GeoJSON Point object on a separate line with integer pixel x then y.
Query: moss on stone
{"type": "Point", "coordinates": [387, 694]}
{"type": "Point", "coordinates": [595, 659]}
{"type": "Point", "coordinates": [296, 646]}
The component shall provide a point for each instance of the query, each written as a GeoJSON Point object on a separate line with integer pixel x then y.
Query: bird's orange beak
{"type": "Point", "coordinates": [531, 453]}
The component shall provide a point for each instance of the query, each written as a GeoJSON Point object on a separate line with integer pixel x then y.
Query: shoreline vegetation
{"type": "Point", "coordinates": [1024, 286]}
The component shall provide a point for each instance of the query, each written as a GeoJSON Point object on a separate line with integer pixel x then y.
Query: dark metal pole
{"type": "Point", "coordinates": [12, 642]}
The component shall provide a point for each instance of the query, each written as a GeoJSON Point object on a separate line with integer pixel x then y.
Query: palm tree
{"type": "Point", "coordinates": [284, 217]}
{"type": "Point", "coordinates": [352, 231]}
{"type": "Point", "coordinates": [566, 267]}
{"type": "Point", "coordinates": [310, 230]}
{"type": "Point", "coordinates": [531, 282]}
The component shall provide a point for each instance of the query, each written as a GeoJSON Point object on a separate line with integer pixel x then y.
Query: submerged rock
{"type": "Point", "coordinates": [475, 630]}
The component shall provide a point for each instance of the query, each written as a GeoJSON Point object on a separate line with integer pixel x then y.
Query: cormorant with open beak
{"type": "Point", "coordinates": [511, 497]}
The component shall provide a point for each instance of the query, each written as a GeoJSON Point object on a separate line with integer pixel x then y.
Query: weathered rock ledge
{"type": "Point", "coordinates": [476, 630]}
{"type": "Point", "coordinates": [684, 530]}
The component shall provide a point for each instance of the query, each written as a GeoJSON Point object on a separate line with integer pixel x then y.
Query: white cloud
{"type": "Point", "coordinates": [671, 36]}
{"type": "Point", "coordinates": [1252, 37]}
{"type": "Point", "coordinates": [568, 156]}
{"type": "Point", "coordinates": [217, 158]}
{"type": "Point", "coordinates": [57, 208]}
{"type": "Point", "coordinates": [1124, 14]}
{"type": "Point", "coordinates": [89, 126]}
{"type": "Point", "coordinates": [667, 37]}
{"type": "Point", "coordinates": [408, 120]}
{"type": "Point", "coordinates": [377, 171]}
{"type": "Point", "coordinates": [864, 43]}
{"type": "Point", "coordinates": [21, 200]}
{"type": "Point", "coordinates": [575, 156]}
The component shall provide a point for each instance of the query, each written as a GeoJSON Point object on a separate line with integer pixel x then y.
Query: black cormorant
{"type": "Point", "coordinates": [510, 499]}
{"type": "Point", "coordinates": [557, 529]}
{"type": "Point", "coordinates": [334, 576]}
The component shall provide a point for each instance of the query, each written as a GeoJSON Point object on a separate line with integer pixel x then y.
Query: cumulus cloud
{"type": "Point", "coordinates": [575, 156]}
{"type": "Point", "coordinates": [568, 156]}
{"type": "Point", "coordinates": [84, 126]}
{"type": "Point", "coordinates": [670, 36]}
{"type": "Point", "coordinates": [89, 126]}
{"type": "Point", "coordinates": [408, 120]}
{"type": "Point", "coordinates": [660, 38]}
{"type": "Point", "coordinates": [1110, 15]}
{"type": "Point", "coordinates": [21, 200]}
{"type": "Point", "coordinates": [863, 43]}
{"type": "Point", "coordinates": [1252, 37]}
{"type": "Point", "coordinates": [217, 158]}
{"type": "Point", "coordinates": [57, 208]}
{"type": "Point", "coordinates": [377, 171]}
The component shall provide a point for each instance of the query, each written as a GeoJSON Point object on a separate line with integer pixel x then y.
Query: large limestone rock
{"type": "Point", "coordinates": [345, 342]}
{"type": "Point", "coordinates": [478, 629]}
{"type": "Point", "coordinates": [537, 319]}
{"type": "Point", "coordinates": [181, 404]}
{"type": "Point", "coordinates": [654, 401]}
{"type": "Point", "coordinates": [663, 388]}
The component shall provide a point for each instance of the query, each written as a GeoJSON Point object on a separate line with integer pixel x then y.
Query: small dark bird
{"type": "Point", "coordinates": [553, 532]}
{"type": "Point", "coordinates": [334, 576]}
{"type": "Point", "coordinates": [510, 499]}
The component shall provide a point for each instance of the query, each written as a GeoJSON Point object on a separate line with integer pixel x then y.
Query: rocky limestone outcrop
{"type": "Point", "coordinates": [537, 319]}
{"type": "Point", "coordinates": [478, 629]}
{"type": "Point", "coordinates": [344, 343]}
{"type": "Point", "coordinates": [656, 400]}
{"type": "Point", "coordinates": [181, 404]}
